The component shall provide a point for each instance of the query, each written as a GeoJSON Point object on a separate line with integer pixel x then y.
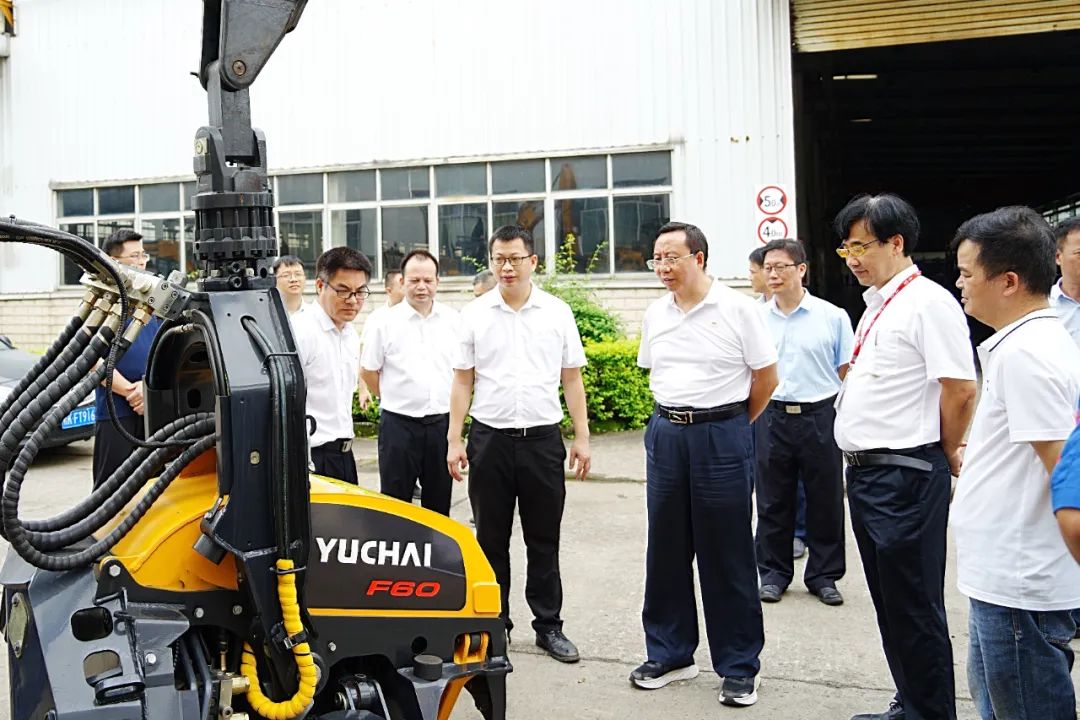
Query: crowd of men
{"type": "Point", "coordinates": [778, 399]}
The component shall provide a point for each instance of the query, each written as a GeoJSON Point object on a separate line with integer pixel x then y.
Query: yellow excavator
{"type": "Point", "coordinates": [211, 576]}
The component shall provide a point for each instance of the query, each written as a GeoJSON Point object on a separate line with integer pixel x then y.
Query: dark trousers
{"type": "Point", "coordinates": [412, 449]}
{"type": "Point", "coordinates": [698, 484]}
{"type": "Point", "coordinates": [333, 462]}
{"type": "Point", "coordinates": [111, 448]}
{"type": "Point", "coordinates": [800, 446]}
{"type": "Point", "coordinates": [899, 516]}
{"type": "Point", "coordinates": [528, 471]}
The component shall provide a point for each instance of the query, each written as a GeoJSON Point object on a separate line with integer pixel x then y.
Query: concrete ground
{"type": "Point", "coordinates": [819, 663]}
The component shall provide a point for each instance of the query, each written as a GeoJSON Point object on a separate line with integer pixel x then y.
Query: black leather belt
{"type": "Point", "coordinates": [425, 420]}
{"type": "Point", "coordinates": [533, 431]}
{"type": "Point", "coordinates": [885, 456]}
{"type": "Point", "coordinates": [690, 415]}
{"type": "Point", "coordinates": [797, 408]}
{"type": "Point", "coordinates": [343, 446]}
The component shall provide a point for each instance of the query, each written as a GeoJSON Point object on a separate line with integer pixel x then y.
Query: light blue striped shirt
{"type": "Point", "coordinates": [1067, 309]}
{"type": "Point", "coordinates": [812, 342]}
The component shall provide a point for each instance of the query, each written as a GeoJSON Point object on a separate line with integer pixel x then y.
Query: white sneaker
{"type": "Point", "coordinates": [654, 675]}
{"type": "Point", "coordinates": [739, 691]}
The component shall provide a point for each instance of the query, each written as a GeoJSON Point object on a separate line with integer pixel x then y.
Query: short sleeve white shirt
{"type": "Point", "coordinates": [373, 321]}
{"type": "Point", "coordinates": [518, 357]}
{"type": "Point", "coordinates": [413, 355]}
{"type": "Point", "coordinates": [704, 357]}
{"type": "Point", "coordinates": [1009, 549]}
{"type": "Point", "coordinates": [331, 360]}
{"type": "Point", "coordinates": [891, 396]}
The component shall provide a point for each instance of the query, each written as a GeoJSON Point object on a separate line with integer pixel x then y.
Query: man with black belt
{"type": "Point", "coordinates": [406, 362]}
{"type": "Point", "coordinates": [712, 370]}
{"type": "Point", "coordinates": [329, 349]}
{"type": "Point", "coordinates": [900, 418]}
{"type": "Point", "coordinates": [814, 342]}
{"type": "Point", "coordinates": [517, 345]}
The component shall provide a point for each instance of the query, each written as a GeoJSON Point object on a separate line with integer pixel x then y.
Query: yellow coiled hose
{"type": "Point", "coordinates": [309, 675]}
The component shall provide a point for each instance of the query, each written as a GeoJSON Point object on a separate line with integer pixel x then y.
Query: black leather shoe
{"type": "Point", "coordinates": [770, 593]}
{"type": "Point", "coordinates": [830, 596]}
{"type": "Point", "coordinates": [895, 712]}
{"type": "Point", "coordinates": [557, 645]}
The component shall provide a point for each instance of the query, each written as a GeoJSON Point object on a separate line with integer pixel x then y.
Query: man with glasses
{"type": "Point", "coordinates": [712, 369]}
{"type": "Point", "coordinates": [517, 345]}
{"type": "Point", "coordinates": [329, 349]}
{"type": "Point", "coordinates": [901, 415]}
{"type": "Point", "coordinates": [406, 362]}
{"type": "Point", "coordinates": [290, 278]}
{"type": "Point", "coordinates": [814, 342]}
{"type": "Point", "coordinates": [111, 445]}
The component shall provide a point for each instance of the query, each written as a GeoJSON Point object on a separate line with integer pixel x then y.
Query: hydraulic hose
{"type": "Point", "coordinates": [305, 665]}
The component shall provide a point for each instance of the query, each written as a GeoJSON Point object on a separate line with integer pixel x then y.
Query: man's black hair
{"type": "Point", "coordinates": [341, 258]}
{"type": "Point", "coordinates": [510, 233]}
{"type": "Point", "coordinates": [1013, 239]}
{"type": "Point", "coordinates": [392, 272]}
{"type": "Point", "coordinates": [885, 215]}
{"type": "Point", "coordinates": [1063, 228]}
{"type": "Point", "coordinates": [419, 253]}
{"type": "Point", "coordinates": [793, 248]}
{"type": "Point", "coordinates": [114, 244]}
{"type": "Point", "coordinates": [695, 239]}
{"type": "Point", "coordinates": [287, 260]}
{"type": "Point", "coordinates": [484, 277]}
{"type": "Point", "coordinates": [757, 256]}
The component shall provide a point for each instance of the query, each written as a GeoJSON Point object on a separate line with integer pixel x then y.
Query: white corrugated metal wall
{"type": "Point", "coordinates": [98, 90]}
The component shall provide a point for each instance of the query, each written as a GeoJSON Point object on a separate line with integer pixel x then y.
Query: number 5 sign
{"type": "Point", "coordinates": [774, 211]}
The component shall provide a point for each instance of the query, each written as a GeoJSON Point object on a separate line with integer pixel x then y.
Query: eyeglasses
{"type": "Point", "coordinates": [779, 267]}
{"type": "Point", "coordinates": [855, 249]}
{"type": "Point", "coordinates": [514, 260]}
{"type": "Point", "coordinates": [347, 294]}
{"type": "Point", "coordinates": [665, 262]}
{"type": "Point", "coordinates": [290, 275]}
{"type": "Point", "coordinates": [136, 256]}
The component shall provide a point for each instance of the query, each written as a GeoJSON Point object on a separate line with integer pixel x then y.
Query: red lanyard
{"type": "Point", "coordinates": [861, 338]}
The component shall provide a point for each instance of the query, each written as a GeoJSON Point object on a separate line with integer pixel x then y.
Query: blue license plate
{"type": "Point", "coordinates": [79, 417]}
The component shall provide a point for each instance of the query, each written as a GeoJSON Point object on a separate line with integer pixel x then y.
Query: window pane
{"type": "Point", "coordinates": [462, 238]}
{"type": "Point", "coordinates": [356, 186]}
{"type": "Point", "coordinates": [161, 238]}
{"type": "Point", "coordinates": [405, 183]}
{"type": "Point", "coordinates": [637, 218]}
{"type": "Point", "coordinates": [582, 226]}
{"type": "Point", "coordinates": [529, 214]}
{"type": "Point", "coordinates": [517, 176]}
{"type": "Point", "coordinates": [461, 180]}
{"type": "Point", "coordinates": [114, 200]}
{"type": "Point", "coordinates": [189, 191]}
{"type": "Point", "coordinates": [641, 169]}
{"type": "Point", "coordinates": [105, 228]}
{"type": "Point", "coordinates": [299, 189]}
{"type": "Point", "coordinates": [76, 202]}
{"type": "Point", "coordinates": [159, 198]}
{"type": "Point", "coordinates": [300, 234]}
{"type": "Point", "coordinates": [71, 271]}
{"type": "Point", "coordinates": [578, 173]}
{"type": "Point", "coordinates": [356, 229]}
{"type": "Point", "coordinates": [403, 229]}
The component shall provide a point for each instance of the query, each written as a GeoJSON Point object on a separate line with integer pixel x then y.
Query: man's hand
{"type": "Point", "coordinates": [580, 459]}
{"type": "Point", "coordinates": [956, 460]}
{"type": "Point", "coordinates": [135, 399]}
{"type": "Point", "coordinates": [363, 396]}
{"type": "Point", "coordinates": [457, 459]}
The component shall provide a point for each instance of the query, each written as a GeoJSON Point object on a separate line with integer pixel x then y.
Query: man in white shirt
{"type": "Point", "coordinates": [517, 344]}
{"type": "Point", "coordinates": [901, 414]}
{"type": "Point", "coordinates": [1011, 559]}
{"type": "Point", "coordinates": [712, 369]}
{"type": "Point", "coordinates": [395, 293]}
{"type": "Point", "coordinates": [329, 349]}
{"type": "Point", "coordinates": [406, 362]}
{"type": "Point", "coordinates": [290, 277]}
{"type": "Point", "coordinates": [1065, 293]}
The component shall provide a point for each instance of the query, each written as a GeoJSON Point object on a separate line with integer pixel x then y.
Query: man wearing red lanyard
{"type": "Point", "coordinates": [900, 418]}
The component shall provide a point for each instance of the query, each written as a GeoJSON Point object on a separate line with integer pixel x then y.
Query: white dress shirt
{"type": "Point", "coordinates": [414, 358]}
{"type": "Point", "coordinates": [331, 360]}
{"type": "Point", "coordinates": [518, 357]}
{"type": "Point", "coordinates": [1009, 550]}
{"type": "Point", "coordinates": [703, 358]}
{"type": "Point", "coordinates": [374, 319]}
{"type": "Point", "coordinates": [1068, 310]}
{"type": "Point", "coordinates": [891, 396]}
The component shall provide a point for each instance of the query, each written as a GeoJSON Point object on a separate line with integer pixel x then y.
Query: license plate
{"type": "Point", "coordinates": [79, 417]}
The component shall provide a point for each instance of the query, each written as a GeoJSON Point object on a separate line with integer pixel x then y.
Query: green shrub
{"type": "Point", "coordinates": [616, 389]}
